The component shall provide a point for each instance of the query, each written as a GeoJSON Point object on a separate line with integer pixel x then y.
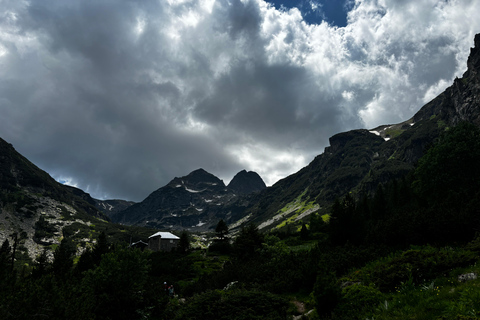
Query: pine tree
{"type": "Point", "coordinates": [184, 243]}
{"type": "Point", "coordinates": [379, 208]}
{"type": "Point", "coordinates": [304, 233]}
{"type": "Point", "coordinates": [63, 258]}
{"type": "Point", "coordinates": [41, 265]}
{"type": "Point", "coordinates": [248, 240]}
{"type": "Point", "coordinates": [101, 247]}
{"type": "Point", "coordinates": [5, 259]}
{"type": "Point", "coordinates": [221, 229]}
{"type": "Point", "coordinates": [6, 274]}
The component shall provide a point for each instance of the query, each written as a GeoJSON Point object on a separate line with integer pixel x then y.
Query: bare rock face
{"type": "Point", "coordinates": [195, 202]}
{"type": "Point", "coordinates": [246, 182]}
{"type": "Point", "coordinates": [112, 206]}
{"type": "Point", "coordinates": [467, 277]}
{"type": "Point", "coordinates": [461, 101]}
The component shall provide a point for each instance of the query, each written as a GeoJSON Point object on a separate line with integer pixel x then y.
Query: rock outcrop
{"type": "Point", "coordinates": [246, 182]}
{"type": "Point", "coordinates": [461, 101]}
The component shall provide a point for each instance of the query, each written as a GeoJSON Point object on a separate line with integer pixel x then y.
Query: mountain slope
{"type": "Point", "coordinates": [358, 160]}
{"type": "Point", "coordinates": [31, 200]}
{"type": "Point", "coordinates": [196, 202]}
{"type": "Point", "coordinates": [112, 206]}
{"type": "Point", "coordinates": [41, 211]}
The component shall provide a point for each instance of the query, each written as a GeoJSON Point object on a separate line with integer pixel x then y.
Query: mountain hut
{"type": "Point", "coordinates": [139, 244]}
{"type": "Point", "coordinates": [163, 241]}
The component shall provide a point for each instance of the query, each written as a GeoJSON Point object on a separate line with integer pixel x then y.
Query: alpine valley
{"type": "Point", "coordinates": [382, 225]}
{"type": "Point", "coordinates": [41, 211]}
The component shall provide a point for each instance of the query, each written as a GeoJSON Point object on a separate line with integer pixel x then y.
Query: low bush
{"type": "Point", "coordinates": [358, 302]}
{"type": "Point", "coordinates": [419, 265]}
{"type": "Point", "coordinates": [236, 304]}
{"type": "Point", "coordinates": [221, 247]}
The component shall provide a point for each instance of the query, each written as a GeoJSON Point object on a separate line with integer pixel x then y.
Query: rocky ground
{"type": "Point", "coordinates": [52, 211]}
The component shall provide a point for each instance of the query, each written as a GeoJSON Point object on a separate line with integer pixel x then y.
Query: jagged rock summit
{"type": "Point", "coordinates": [246, 182]}
{"type": "Point", "coordinates": [199, 180]}
{"type": "Point", "coordinates": [461, 101]}
{"type": "Point", "coordinates": [196, 201]}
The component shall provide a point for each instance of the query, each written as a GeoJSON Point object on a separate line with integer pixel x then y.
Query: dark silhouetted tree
{"type": "Point", "coordinates": [221, 229]}
{"type": "Point", "coordinates": [41, 265]}
{"type": "Point", "coordinates": [326, 292]}
{"type": "Point", "coordinates": [248, 240]}
{"type": "Point", "coordinates": [63, 258]}
{"type": "Point", "coordinates": [316, 223]}
{"type": "Point", "coordinates": [379, 206]}
{"type": "Point", "coordinates": [5, 261]}
{"type": "Point", "coordinates": [184, 243]}
{"type": "Point", "coordinates": [304, 232]}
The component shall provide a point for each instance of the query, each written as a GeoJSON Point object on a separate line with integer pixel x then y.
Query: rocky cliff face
{"type": "Point", "coordinates": [113, 206]}
{"type": "Point", "coordinates": [461, 101]}
{"type": "Point", "coordinates": [195, 202]}
{"type": "Point", "coordinates": [246, 182]}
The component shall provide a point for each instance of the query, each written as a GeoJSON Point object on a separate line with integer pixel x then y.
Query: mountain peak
{"type": "Point", "coordinates": [246, 182]}
{"type": "Point", "coordinates": [201, 177]}
{"type": "Point", "coordinates": [461, 101]}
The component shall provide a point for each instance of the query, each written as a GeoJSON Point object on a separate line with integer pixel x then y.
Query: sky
{"type": "Point", "coordinates": [119, 97]}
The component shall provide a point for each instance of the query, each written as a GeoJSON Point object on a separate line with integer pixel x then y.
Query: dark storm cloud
{"type": "Point", "coordinates": [277, 103]}
{"type": "Point", "coordinates": [90, 111]}
{"type": "Point", "coordinates": [119, 97]}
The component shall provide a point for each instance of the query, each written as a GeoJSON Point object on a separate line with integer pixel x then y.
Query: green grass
{"type": "Point", "coordinates": [421, 283]}
{"type": "Point", "coordinates": [297, 202]}
{"type": "Point", "coordinates": [301, 206]}
{"type": "Point", "coordinates": [443, 298]}
{"type": "Point", "coordinates": [307, 206]}
{"type": "Point", "coordinates": [305, 246]}
{"type": "Point", "coordinates": [289, 220]}
{"type": "Point", "coordinates": [442, 125]}
{"type": "Point", "coordinates": [392, 133]}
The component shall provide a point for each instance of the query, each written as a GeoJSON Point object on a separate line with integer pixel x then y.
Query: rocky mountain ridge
{"type": "Point", "coordinates": [194, 202]}
{"type": "Point", "coordinates": [112, 206]}
{"type": "Point", "coordinates": [358, 161]}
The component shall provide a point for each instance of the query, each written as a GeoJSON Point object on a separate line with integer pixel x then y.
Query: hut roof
{"type": "Point", "coordinates": [164, 235]}
{"type": "Point", "coordinates": [139, 243]}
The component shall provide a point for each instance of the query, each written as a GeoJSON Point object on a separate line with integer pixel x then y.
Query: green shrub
{"type": "Point", "coordinates": [221, 247]}
{"type": "Point", "coordinates": [326, 293]}
{"type": "Point", "coordinates": [423, 264]}
{"type": "Point", "coordinates": [358, 301]}
{"type": "Point", "coordinates": [240, 304]}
